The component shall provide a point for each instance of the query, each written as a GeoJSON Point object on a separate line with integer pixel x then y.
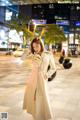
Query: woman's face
{"type": "Point", "coordinates": [36, 47]}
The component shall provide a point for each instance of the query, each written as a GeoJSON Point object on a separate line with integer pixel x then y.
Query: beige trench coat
{"type": "Point", "coordinates": [36, 99]}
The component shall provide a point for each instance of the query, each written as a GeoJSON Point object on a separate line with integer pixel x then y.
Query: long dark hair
{"type": "Point", "coordinates": [38, 41]}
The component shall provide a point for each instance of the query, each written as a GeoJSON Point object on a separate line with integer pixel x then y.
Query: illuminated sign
{"type": "Point", "coordinates": [38, 22]}
{"type": "Point", "coordinates": [8, 15]}
{"type": "Point", "coordinates": [62, 22]}
{"type": "Point", "coordinates": [78, 23]}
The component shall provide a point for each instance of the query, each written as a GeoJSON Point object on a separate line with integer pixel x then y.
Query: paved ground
{"type": "Point", "coordinates": [64, 90]}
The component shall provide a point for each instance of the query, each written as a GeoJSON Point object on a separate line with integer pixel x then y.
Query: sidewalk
{"type": "Point", "coordinates": [64, 92]}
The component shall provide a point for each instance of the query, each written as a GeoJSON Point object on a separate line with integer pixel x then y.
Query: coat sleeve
{"type": "Point", "coordinates": [52, 65]}
{"type": "Point", "coordinates": [48, 59]}
{"type": "Point", "coordinates": [44, 65]}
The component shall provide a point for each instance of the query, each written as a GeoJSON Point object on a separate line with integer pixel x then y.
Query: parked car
{"type": "Point", "coordinates": [18, 52]}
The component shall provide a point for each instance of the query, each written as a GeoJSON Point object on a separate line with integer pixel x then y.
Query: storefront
{"type": "Point", "coordinates": [9, 39]}
{"type": "Point", "coordinates": [15, 41]}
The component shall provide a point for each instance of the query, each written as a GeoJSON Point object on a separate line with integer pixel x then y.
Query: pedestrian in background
{"type": "Point", "coordinates": [63, 52]}
{"type": "Point", "coordinates": [36, 101]}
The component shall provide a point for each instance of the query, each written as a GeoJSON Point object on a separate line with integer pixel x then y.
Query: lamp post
{"type": "Point", "coordinates": [8, 52]}
{"type": "Point", "coordinates": [21, 37]}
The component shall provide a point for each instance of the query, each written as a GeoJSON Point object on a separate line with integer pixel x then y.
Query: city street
{"type": "Point", "coordinates": [64, 90]}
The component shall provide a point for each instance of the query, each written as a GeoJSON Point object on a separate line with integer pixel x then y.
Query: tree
{"type": "Point", "coordinates": [20, 24]}
{"type": "Point", "coordinates": [51, 33]}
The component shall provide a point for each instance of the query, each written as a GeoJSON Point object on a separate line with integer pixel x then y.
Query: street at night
{"type": "Point", "coordinates": [32, 32]}
{"type": "Point", "coordinates": [64, 90]}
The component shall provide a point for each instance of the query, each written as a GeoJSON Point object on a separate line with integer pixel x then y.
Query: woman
{"type": "Point", "coordinates": [36, 98]}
